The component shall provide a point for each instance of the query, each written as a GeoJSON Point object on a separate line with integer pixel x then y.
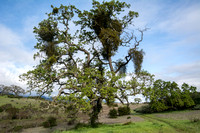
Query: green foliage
{"type": "Point", "coordinates": [168, 96]}
{"type": "Point", "coordinates": [94, 77]}
{"type": "Point", "coordinates": [6, 106]}
{"type": "Point", "coordinates": [112, 113]}
{"type": "Point", "coordinates": [47, 30]}
{"type": "Point", "coordinates": [17, 128]}
{"type": "Point", "coordinates": [137, 59]}
{"type": "Point", "coordinates": [158, 106]}
{"type": "Point", "coordinates": [124, 110]}
{"type": "Point", "coordinates": [12, 112]}
{"type": "Point", "coordinates": [128, 117]}
{"type": "Point", "coordinates": [14, 96]}
{"type": "Point", "coordinates": [1, 109]}
{"type": "Point", "coordinates": [137, 100]}
{"type": "Point", "coordinates": [196, 107]}
{"type": "Point", "coordinates": [143, 109]}
{"type": "Point", "coordinates": [12, 91]}
{"type": "Point", "coordinates": [81, 125]}
{"type": "Point", "coordinates": [50, 122]}
{"type": "Point", "coordinates": [195, 97]}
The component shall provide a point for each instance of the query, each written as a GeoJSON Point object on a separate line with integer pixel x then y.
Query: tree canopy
{"type": "Point", "coordinates": [169, 96]}
{"type": "Point", "coordinates": [12, 89]}
{"type": "Point", "coordinates": [99, 73]}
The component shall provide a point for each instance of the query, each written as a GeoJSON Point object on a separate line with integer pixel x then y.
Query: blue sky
{"type": "Point", "coordinates": [172, 44]}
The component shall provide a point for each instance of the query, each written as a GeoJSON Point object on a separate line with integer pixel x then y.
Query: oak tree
{"type": "Point", "coordinates": [86, 65]}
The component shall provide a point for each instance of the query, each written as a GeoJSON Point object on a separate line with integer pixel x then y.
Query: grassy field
{"type": "Point", "coordinates": [30, 114]}
{"type": "Point", "coordinates": [153, 123]}
{"type": "Point", "coordinates": [19, 102]}
{"type": "Point", "coordinates": [187, 121]}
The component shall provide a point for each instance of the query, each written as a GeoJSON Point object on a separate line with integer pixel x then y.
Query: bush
{"type": "Point", "coordinates": [195, 120]}
{"type": "Point", "coordinates": [12, 112]}
{"type": "Point", "coordinates": [144, 109]}
{"type": "Point", "coordinates": [17, 128]}
{"type": "Point", "coordinates": [128, 117]}
{"type": "Point", "coordinates": [115, 105]}
{"type": "Point", "coordinates": [44, 104]}
{"type": "Point", "coordinates": [112, 113]}
{"type": "Point", "coordinates": [196, 107]}
{"type": "Point", "coordinates": [24, 114]}
{"type": "Point", "coordinates": [158, 106]}
{"type": "Point", "coordinates": [51, 121]}
{"type": "Point", "coordinates": [6, 106]}
{"type": "Point", "coordinates": [1, 109]}
{"type": "Point", "coordinates": [124, 110]}
{"type": "Point", "coordinates": [14, 96]}
{"type": "Point", "coordinates": [80, 125]}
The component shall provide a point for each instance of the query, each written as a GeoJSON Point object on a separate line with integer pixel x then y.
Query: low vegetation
{"type": "Point", "coordinates": [151, 124]}
{"type": "Point", "coordinates": [50, 122]}
{"type": "Point", "coordinates": [112, 113]}
{"type": "Point", "coordinates": [20, 113]}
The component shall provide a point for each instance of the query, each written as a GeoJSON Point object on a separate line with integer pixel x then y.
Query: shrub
{"type": "Point", "coordinates": [17, 128]}
{"type": "Point", "coordinates": [6, 106]}
{"type": "Point", "coordinates": [196, 107]}
{"type": "Point", "coordinates": [12, 112]}
{"type": "Point", "coordinates": [80, 125]}
{"type": "Point", "coordinates": [195, 120]}
{"type": "Point", "coordinates": [115, 105]}
{"type": "Point", "coordinates": [124, 110]}
{"type": "Point", "coordinates": [51, 121]}
{"type": "Point", "coordinates": [158, 106]}
{"type": "Point", "coordinates": [1, 109]}
{"type": "Point", "coordinates": [24, 114]}
{"type": "Point", "coordinates": [112, 113]}
{"type": "Point", "coordinates": [128, 117]}
{"type": "Point", "coordinates": [143, 109]}
{"type": "Point", "coordinates": [71, 121]}
{"type": "Point", "coordinates": [14, 96]}
{"type": "Point", "coordinates": [71, 111]}
{"type": "Point", "coordinates": [127, 123]}
{"type": "Point", "coordinates": [44, 104]}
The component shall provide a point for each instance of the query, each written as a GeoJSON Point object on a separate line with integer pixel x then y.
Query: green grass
{"type": "Point", "coordinates": [139, 127]}
{"type": "Point", "coordinates": [151, 124]}
{"type": "Point", "coordinates": [19, 102]}
{"type": "Point", "coordinates": [143, 127]}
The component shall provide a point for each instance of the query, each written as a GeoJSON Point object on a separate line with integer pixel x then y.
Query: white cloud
{"type": "Point", "coordinates": [15, 57]}
{"type": "Point", "coordinates": [184, 73]}
{"type": "Point", "coordinates": [182, 20]}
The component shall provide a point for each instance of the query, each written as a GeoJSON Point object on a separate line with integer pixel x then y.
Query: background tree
{"type": "Point", "coordinates": [12, 89]}
{"type": "Point", "coordinates": [138, 100]}
{"type": "Point", "coordinates": [168, 96]}
{"type": "Point", "coordinates": [99, 73]}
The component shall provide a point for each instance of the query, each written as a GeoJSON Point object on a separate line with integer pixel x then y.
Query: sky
{"type": "Point", "coordinates": [171, 45]}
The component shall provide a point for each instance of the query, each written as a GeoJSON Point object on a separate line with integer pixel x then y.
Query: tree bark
{"type": "Point", "coordinates": [97, 106]}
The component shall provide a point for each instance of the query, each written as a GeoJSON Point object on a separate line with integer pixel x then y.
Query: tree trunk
{"type": "Point", "coordinates": [97, 106]}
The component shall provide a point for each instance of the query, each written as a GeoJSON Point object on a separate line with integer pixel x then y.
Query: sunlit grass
{"type": "Point", "coordinates": [152, 124]}
{"type": "Point", "coordinates": [19, 102]}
